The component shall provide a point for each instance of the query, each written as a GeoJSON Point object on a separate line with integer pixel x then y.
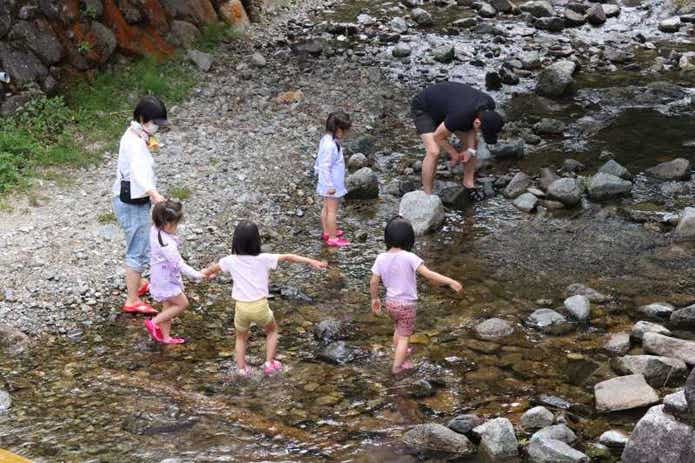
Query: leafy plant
{"type": "Point", "coordinates": [181, 193]}
{"type": "Point", "coordinates": [84, 47]}
{"type": "Point", "coordinates": [106, 218]}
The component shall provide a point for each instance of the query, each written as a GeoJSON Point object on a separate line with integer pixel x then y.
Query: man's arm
{"type": "Point", "coordinates": [441, 136]}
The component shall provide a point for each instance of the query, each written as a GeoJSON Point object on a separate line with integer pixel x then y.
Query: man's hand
{"type": "Point", "coordinates": [376, 306]}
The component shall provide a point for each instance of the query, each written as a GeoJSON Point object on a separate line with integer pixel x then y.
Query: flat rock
{"type": "Point", "coordinates": [683, 318]}
{"type": "Point", "coordinates": [658, 371]}
{"type": "Point", "coordinates": [464, 424]}
{"type": "Point", "coordinates": [655, 343]}
{"type": "Point", "coordinates": [434, 437]}
{"type": "Point", "coordinates": [549, 321]}
{"type": "Point", "coordinates": [624, 393]}
{"type": "Point", "coordinates": [512, 149]}
{"type": "Point", "coordinates": [678, 169]}
{"type": "Point", "coordinates": [518, 185]}
{"type": "Point", "coordinates": [685, 230]}
{"type": "Point", "coordinates": [613, 168]}
{"type": "Point", "coordinates": [554, 451]}
{"type": "Point", "coordinates": [526, 202]}
{"type": "Point", "coordinates": [579, 307]}
{"type": "Point", "coordinates": [618, 343]}
{"type": "Point", "coordinates": [494, 328]}
{"type": "Point", "coordinates": [497, 439]}
{"type": "Point", "coordinates": [593, 295]}
{"type": "Point", "coordinates": [559, 432]}
{"type": "Point", "coordinates": [661, 310]}
{"type": "Point", "coordinates": [604, 186]}
{"type": "Point", "coordinates": [660, 438]}
{"type": "Point", "coordinates": [642, 327]}
{"type": "Point", "coordinates": [537, 418]}
{"type": "Point", "coordinates": [614, 439]}
{"type": "Point", "coordinates": [425, 212]}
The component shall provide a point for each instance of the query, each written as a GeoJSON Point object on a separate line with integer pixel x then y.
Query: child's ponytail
{"type": "Point", "coordinates": [165, 213]}
{"type": "Point", "coordinates": [338, 120]}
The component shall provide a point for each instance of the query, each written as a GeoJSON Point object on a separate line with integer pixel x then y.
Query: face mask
{"type": "Point", "coordinates": [150, 127]}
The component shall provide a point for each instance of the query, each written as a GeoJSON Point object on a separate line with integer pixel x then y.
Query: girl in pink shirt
{"type": "Point", "coordinates": [250, 271]}
{"type": "Point", "coordinates": [397, 269]}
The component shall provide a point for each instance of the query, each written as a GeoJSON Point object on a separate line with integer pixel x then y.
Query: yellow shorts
{"type": "Point", "coordinates": [257, 312]}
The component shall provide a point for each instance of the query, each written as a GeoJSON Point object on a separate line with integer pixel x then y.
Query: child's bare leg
{"type": "Point", "coordinates": [172, 308]}
{"type": "Point", "coordinates": [331, 206]}
{"type": "Point", "coordinates": [272, 336]}
{"type": "Point", "coordinates": [242, 338]}
{"type": "Point", "coordinates": [401, 353]}
{"type": "Point", "coordinates": [324, 228]}
{"type": "Point", "coordinates": [395, 340]}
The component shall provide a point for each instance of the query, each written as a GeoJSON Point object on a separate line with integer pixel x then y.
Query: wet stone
{"type": "Point", "coordinates": [512, 149]}
{"type": "Point", "coordinates": [421, 17]}
{"type": "Point", "coordinates": [537, 418]}
{"type": "Point", "coordinates": [660, 438]}
{"type": "Point", "coordinates": [493, 81]}
{"type": "Point", "coordinates": [596, 15]}
{"type": "Point", "coordinates": [574, 18]}
{"type": "Point", "coordinates": [657, 310]}
{"type": "Point", "coordinates": [425, 212]}
{"type": "Point", "coordinates": [363, 184]}
{"type": "Point", "coordinates": [624, 393]}
{"type": "Point", "coordinates": [551, 24]}
{"type": "Point", "coordinates": [670, 25]}
{"type": "Point", "coordinates": [497, 439]}
{"type": "Point", "coordinates": [658, 371]}
{"type": "Point", "coordinates": [618, 344]}
{"type": "Point", "coordinates": [444, 53]}
{"type": "Point", "coordinates": [655, 343]}
{"type": "Point", "coordinates": [559, 432]}
{"type": "Point", "coordinates": [464, 424]}
{"type": "Point", "coordinates": [685, 230]}
{"type": "Point", "coordinates": [526, 202]}
{"type": "Point", "coordinates": [455, 197]}
{"type": "Point", "coordinates": [614, 439]}
{"type": "Point", "coordinates": [146, 424]}
{"type": "Point", "coordinates": [538, 8]}
{"type": "Point", "coordinates": [593, 295]}
{"type": "Point", "coordinates": [677, 169]}
{"type": "Point", "coordinates": [642, 327]}
{"type": "Point", "coordinates": [554, 451]}
{"type": "Point", "coordinates": [401, 50]}
{"type": "Point", "coordinates": [604, 186]}
{"type": "Point", "coordinates": [434, 437]}
{"type": "Point", "coordinates": [494, 328]}
{"type": "Point", "coordinates": [5, 402]}
{"type": "Point", "coordinates": [338, 353]}
{"type": "Point", "coordinates": [552, 401]}
{"type": "Point", "coordinates": [518, 185]}
{"type": "Point", "coordinates": [330, 330]}
{"type": "Point", "coordinates": [547, 126]}
{"type": "Point", "coordinates": [683, 318]}
{"type": "Point", "coordinates": [613, 168]}
{"type": "Point", "coordinates": [579, 307]}
{"type": "Point", "coordinates": [549, 321]}
{"type": "Point", "coordinates": [675, 403]}
{"type": "Point", "coordinates": [556, 80]}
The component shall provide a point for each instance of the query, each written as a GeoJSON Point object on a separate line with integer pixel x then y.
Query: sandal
{"type": "Point", "coordinates": [144, 289]}
{"type": "Point", "coordinates": [244, 372]}
{"type": "Point", "coordinates": [476, 194]}
{"type": "Point", "coordinates": [140, 307]}
{"type": "Point", "coordinates": [405, 367]}
{"type": "Point", "coordinates": [173, 341]}
{"type": "Point", "coordinates": [338, 234]}
{"type": "Point", "coordinates": [337, 243]}
{"type": "Point", "coordinates": [154, 330]}
{"type": "Point", "coordinates": [272, 368]}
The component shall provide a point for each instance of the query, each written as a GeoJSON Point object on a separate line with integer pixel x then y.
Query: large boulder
{"type": "Point", "coordinates": [565, 190]}
{"type": "Point", "coordinates": [234, 14]}
{"type": "Point", "coordinates": [556, 80]}
{"type": "Point", "coordinates": [678, 169]}
{"type": "Point", "coordinates": [199, 12]}
{"type": "Point", "coordinates": [519, 183]}
{"type": "Point", "coordinates": [579, 307]}
{"type": "Point", "coordinates": [604, 186]}
{"type": "Point", "coordinates": [538, 8]}
{"type": "Point", "coordinates": [23, 67]}
{"type": "Point", "coordinates": [497, 439]}
{"type": "Point", "coordinates": [559, 432]}
{"type": "Point", "coordinates": [596, 15]}
{"type": "Point", "coordinates": [554, 451]}
{"type": "Point", "coordinates": [434, 437]}
{"type": "Point", "coordinates": [660, 438]}
{"type": "Point", "coordinates": [363, 184]}
{"type": "Point", "coordinates": [683, 318]}
{"type": "Point", "coordinates": [548, 321]}
{"type": "Point", "coordinates": [655, 343]}
{"type": "Point", "coordinates": [614, 168]}
{"type": "Point", "coordinates": [643, 327]}
{"type": "Point", "coordinates": [425, 212]}
{"type": "Point", "coordinates": [624, 393]}
{"type": "Point", "coordinates": [658, 371]}
{"type": "Point", "coordinates": [39, 38]}
{"type": "Point", "coordinates": [685, 230]}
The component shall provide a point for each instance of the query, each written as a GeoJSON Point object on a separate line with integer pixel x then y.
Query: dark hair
{"type": "Point", "coordinates": [399, 234]}
{"type": "Point", "coordinates": [165, 213]}
{"type": "Point", "coordinates": [149, 108]}
{"type": "Point", "coordinates": [338, 120]}
{"type": "Point", "coordinates": [246, 240]}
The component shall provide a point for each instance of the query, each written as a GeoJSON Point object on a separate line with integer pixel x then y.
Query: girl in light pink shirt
{"type": "Point", "coordinates": [250, 271]}
{"type": "Point", "coordinates": [397, 269]}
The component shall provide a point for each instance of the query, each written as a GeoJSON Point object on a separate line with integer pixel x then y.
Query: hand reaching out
{"type": "Point", "coordinates": [456, 286]}
{"type": "Point", "coordinates": [376, 306]}
{"type": "Point", "coordinates": [318, 264]}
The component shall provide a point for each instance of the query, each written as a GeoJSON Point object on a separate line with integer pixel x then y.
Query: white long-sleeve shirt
{"type": "Point", "coordinates": [135, 163]}
{"type": "Point", "coordinates": [330, 168]}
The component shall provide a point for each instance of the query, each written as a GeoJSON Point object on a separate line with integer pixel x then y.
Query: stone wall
{"type": "Point", "coordinates": [45, 42]}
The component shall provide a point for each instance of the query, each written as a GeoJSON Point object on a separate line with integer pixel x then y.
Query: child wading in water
{"type": "Point", "coordinates": [397, 269]}
{"type": "Point", "coordinates": [250, 270]}
{"type": "Point", "coordinates": [330, 168]}
{"type": "Point", "coordinates": [166, 285]}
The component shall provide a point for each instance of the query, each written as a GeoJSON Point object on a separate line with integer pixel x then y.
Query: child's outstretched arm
{"type": "Point", "coordinates": [211, 271]}
{"type": "Point", "coordinates": [374, 291]}
{"type": "Point", "coordinates": [295, 259]}
{"type": "Point", "coordinates": [439, 279]}
{"type": "Point", "coordinates": [171, 254]}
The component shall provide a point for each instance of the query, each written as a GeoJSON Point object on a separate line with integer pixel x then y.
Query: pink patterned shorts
{"type": "Point", "coordinates": [403, 315]}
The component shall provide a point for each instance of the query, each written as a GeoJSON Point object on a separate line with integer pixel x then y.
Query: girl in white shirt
{"type": "Point", "coordinates": [330, 169]}
{"type": "Point", "coordinates": [250, 271]}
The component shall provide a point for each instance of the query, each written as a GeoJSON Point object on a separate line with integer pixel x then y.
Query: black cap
{"type": "Point", "coordinates": [151, 108]}
{"type": "Point", "coordinates": [491, 123]}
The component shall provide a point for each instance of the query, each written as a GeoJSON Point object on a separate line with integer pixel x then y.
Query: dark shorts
{"type": "Point", "coordinates": [424, 123]}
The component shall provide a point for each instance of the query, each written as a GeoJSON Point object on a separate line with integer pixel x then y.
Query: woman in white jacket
{"type": "Point", "coordinates": [134, 190]}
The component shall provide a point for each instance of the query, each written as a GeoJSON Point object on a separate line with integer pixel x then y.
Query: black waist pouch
{"type": "Point", "coordinates": [125, 195]}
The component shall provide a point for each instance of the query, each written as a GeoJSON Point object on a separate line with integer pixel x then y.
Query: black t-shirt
{"type": "Point", "coordinates": [455, 104]}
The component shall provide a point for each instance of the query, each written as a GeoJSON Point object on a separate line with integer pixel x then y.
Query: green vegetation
{"type": "Point", "coordinates": [181, 193]}
{"type": "Point", "coordinates": [213, 34]}
{"type": "Point", "coordinates": [106, 218]}
{"type": "Point", "coordinates": [63, 130]}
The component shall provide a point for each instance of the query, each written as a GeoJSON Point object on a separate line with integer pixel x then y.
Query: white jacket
{"type": "Point", "coordinates": [135, 163]}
